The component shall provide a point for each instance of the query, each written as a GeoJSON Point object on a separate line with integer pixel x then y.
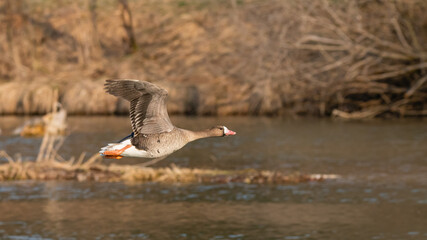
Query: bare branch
{"type": "Point", "coordinates": [400, 35]}
{"type": "Point", "coordinates": [416, 86]}
{"type": "Point", "coordinates": [403, 71]}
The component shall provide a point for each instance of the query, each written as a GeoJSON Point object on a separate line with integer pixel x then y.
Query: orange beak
{"type": "Point", "coordinates": [229, 132]}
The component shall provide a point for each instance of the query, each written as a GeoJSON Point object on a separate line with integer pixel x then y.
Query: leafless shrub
{"type": "Point", "coordinates": [366, 69]}
{"type": "Point", "coordinates": [249, 57]}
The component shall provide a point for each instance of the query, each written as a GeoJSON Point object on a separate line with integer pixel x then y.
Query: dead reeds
{"type": "Point", "coordinates": [50, 165]}
{"type": "Point", "coordinates": [90, 170]}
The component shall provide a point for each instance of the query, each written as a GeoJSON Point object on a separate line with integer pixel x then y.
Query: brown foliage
{"type": "Point", "coordinates": [347, 58]}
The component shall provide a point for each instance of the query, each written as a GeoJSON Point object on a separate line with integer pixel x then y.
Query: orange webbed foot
{"type": "Point", "coordinates": [115, 154]}
{"type": "Point", "coordinates": [112, 157]}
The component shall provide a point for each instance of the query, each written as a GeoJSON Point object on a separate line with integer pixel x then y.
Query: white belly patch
{"type": "Point", "coordinates": [129, 152]}
{"type": "Point", "coordinates": [134, 152]}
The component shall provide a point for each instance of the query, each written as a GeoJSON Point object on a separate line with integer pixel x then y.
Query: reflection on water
{"type": "Point", "coordinates": [154, 211]}
{"type": "Point", "coordinates": [382, 195]}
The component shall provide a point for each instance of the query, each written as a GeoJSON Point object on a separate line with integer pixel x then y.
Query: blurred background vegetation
{"type": "Point", "coordinates": [278, 178]}
{"type": "Point", "coordinates": [350, 59]}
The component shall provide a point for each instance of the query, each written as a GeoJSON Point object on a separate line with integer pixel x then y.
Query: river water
{"type": "Point", "coordinates": [381, 194]}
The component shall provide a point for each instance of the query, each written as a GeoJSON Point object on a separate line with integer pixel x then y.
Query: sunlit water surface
{"type": "Point", "coordinates": [382, 192]}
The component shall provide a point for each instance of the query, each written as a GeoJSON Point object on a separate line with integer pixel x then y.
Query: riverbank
{"type": "Point", "coordinates": [349, 59]}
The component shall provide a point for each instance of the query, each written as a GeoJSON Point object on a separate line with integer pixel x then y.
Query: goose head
{"type": "Point", "coordinates": [221, 131]}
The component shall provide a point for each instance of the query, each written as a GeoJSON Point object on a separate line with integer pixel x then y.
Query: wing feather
{"type": "Point", "coordinates": [147, 113]}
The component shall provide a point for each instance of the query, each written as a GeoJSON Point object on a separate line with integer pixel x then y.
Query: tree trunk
{"type": "Point", "coordinates": [127, 24]}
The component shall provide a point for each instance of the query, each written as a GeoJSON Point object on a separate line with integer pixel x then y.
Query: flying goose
{"type": "Point", "coordinates": [153, 134]}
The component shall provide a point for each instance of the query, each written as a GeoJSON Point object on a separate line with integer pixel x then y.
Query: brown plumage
{"type": "Point", "coordinates": [148, 113]}
{"type": "Point", "coordinates": [153, 132]}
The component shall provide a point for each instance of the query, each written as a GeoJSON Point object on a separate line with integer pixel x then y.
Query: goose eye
{"type": "Point", "coordinates": [221, 128]}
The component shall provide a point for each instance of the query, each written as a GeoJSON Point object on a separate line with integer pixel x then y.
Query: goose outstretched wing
{"type": "Point", "coordinates": [148, 112]}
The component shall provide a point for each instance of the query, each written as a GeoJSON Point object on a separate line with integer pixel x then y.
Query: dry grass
{"type": "Point", "coordinates": [344, 58]}
{"type": "Point", "coordinates": [90, 170]}
{"type": "Point", "coordinates": [49, 165]}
